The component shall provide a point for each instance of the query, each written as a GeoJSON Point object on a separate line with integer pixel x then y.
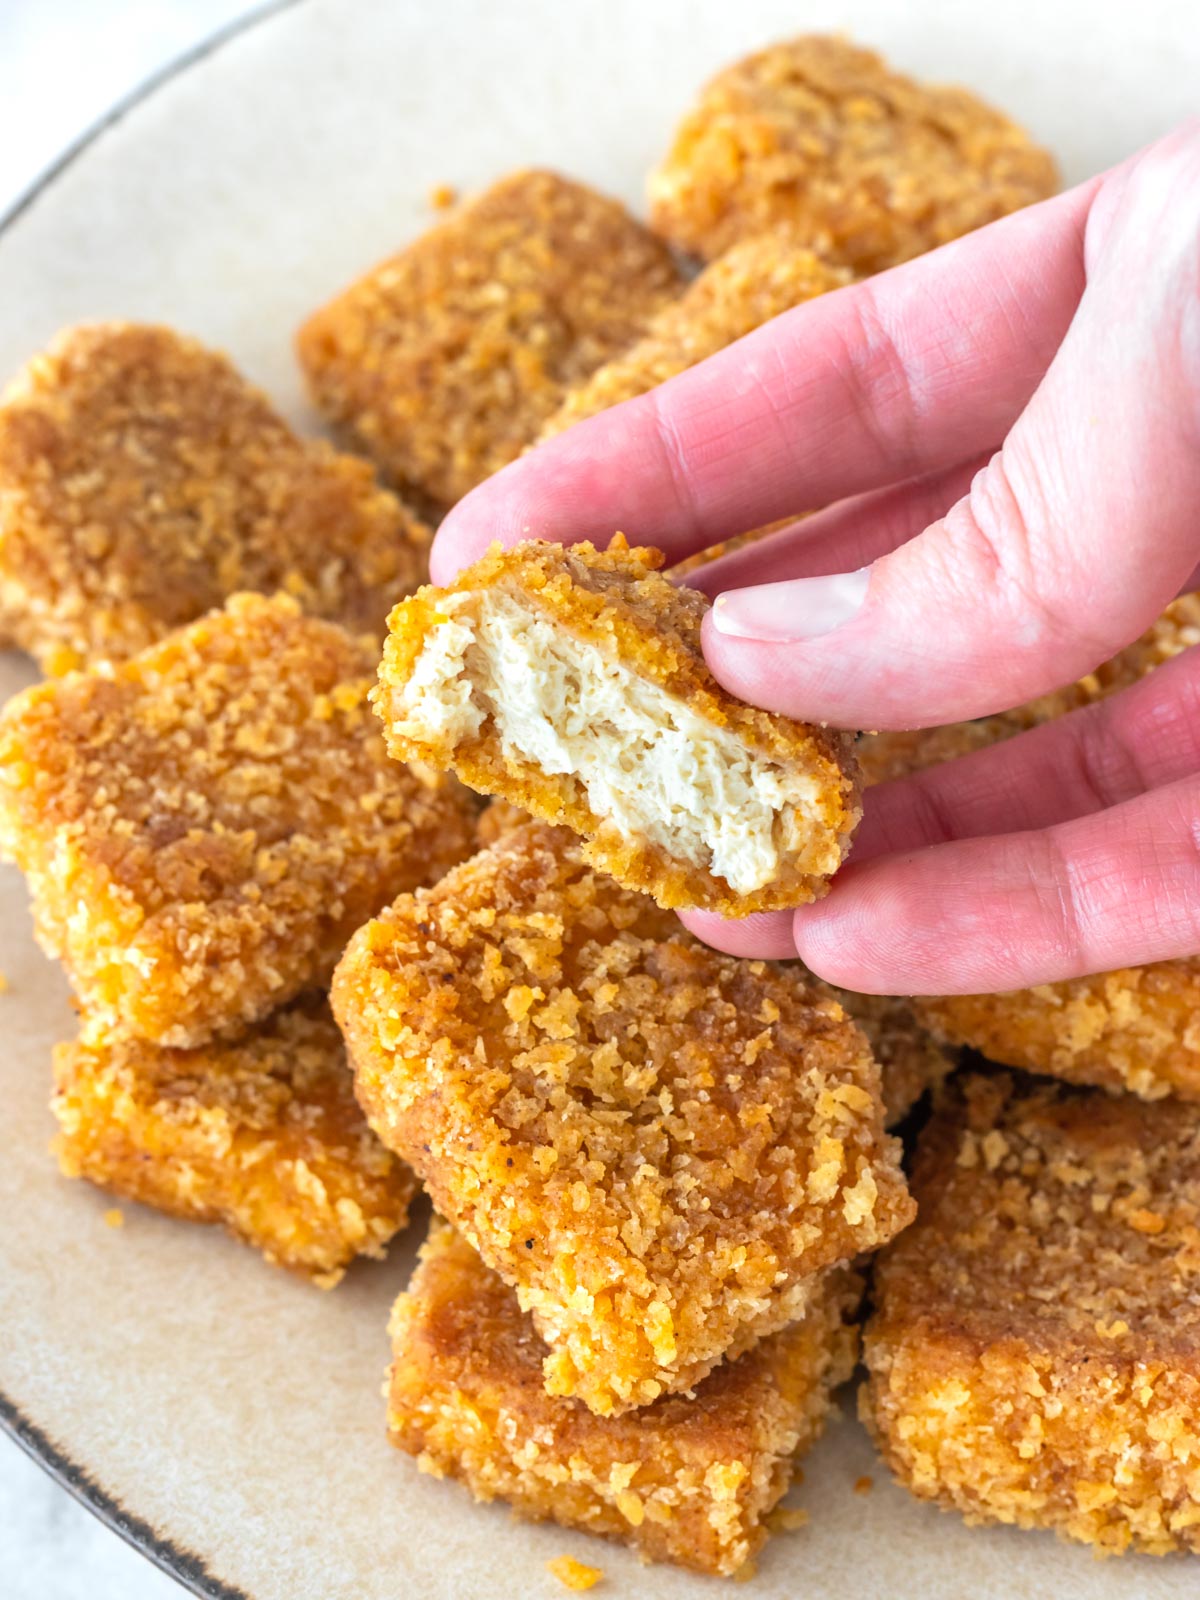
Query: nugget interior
{"type": "Point", "coordinates": [646, 760]}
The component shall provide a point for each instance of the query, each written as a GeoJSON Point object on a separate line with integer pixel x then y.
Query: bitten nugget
{"type": "Point", "coordinates": [660, 1147]}
{"type": "Point", "coordinates": [142, 481]}
{"type": "Point", "coordinates": [204, 826]}
{"type": "Point", "coordinates": [867, 166]}
{"type": "Point", "coordinates": [756, 280]}
{"type": "Point", "coordinates": [572, 682]}
{"type": "Point", "coordinates": [444, 361]}
{"type": "Point", "coordinates": [1034, 1357]}
{"type": "Point", "coordinates": [684, 1480]}
{"type": "Point", "coordinates": [263, 1135]}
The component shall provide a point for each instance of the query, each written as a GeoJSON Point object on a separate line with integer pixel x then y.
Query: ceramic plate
{"type": "Point", "coordinates": [224, 1417]}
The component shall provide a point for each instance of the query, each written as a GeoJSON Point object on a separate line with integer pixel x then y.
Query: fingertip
{"type": "Point", "coordinates": [763, 936]}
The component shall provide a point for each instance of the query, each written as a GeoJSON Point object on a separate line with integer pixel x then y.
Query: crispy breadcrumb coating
{"type": "Point", "coordinates": [443, 362]}
{"type": "Point", "coordinates": [660, 1147]}
{"type": "Point", "coordinates": [686, 1480]}
{"type": "Point", "coordinates": [1134, 1029]}
{"type": "Point", "coordinates": [911, 1061]}
{"type": "Point", "coordinates": [203, 826]}
{"type": "Point", "coordinates": [867, 166]}
{"type": "Point", "coordinates": [1033, 1356]}
{"type": "Point", "coordinates": [755, 280]}
{"type": "Point", "coordinates": [572, 682]}
{"type": "Point", "coordinates": [263, 1135]}
{"type": "Point", "coordinates": [143, 480]}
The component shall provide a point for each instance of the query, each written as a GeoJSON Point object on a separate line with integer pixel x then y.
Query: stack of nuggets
{"type": "Point", "coordinates": [143, 481]}
{"type": "Point", "coordinates": [572, 682]}
{"type": "Point", "coordinates": [444, 361]}
{"type": "Point", "coordinates": [202, 827]}
{"type": "Point", "coordinates": [1034, 1355]}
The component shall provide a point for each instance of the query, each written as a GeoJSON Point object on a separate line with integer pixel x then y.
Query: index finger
{"type": "Point", "coordinates": [899, 376]}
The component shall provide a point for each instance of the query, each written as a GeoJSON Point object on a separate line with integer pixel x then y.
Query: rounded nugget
{"type": "Point", "coordinates": [572, 682]}
{"type": "Point", "coordinates": [660, 1147]}
{"type": "Point", "coordinates": [868, 166]}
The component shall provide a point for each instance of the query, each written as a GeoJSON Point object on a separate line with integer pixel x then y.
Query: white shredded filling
{"type": "Point", "coordinates": [646, 760]}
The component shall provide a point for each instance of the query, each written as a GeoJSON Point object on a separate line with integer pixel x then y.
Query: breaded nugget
{"type": "Point", "coordinates": [203, 826]}
{"type": "Point", "coordinates": [263, 1135]}
{"type": "Point", "coordinates": [572, 682]}
{"type": "Point", "coordinates": [1034, 1357]}
{"type": "Point", "coordinates": [911, 1060]}
{"type": "Point", "coordinates": [443, 362]}
{"type": "Point", "coordinates": [686, 1480]}
{"type": "Point", "coordinates": [754, 281]}
{"type": "Point", "coordinates": [1136, 1029]}
{"type": "Point", "coordinates": [142, 481]}
{"type": "Point", "coordinates": [660, 1147]}
{"type": "Point", "coordinates": [866, 165]}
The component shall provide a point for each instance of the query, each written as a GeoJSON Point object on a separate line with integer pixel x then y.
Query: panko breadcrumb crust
{"type": "Point", "coordinates": [658, 1146]}
{"type": "Point", "coordinates": [143, 480]}
{"type": "Point", "coordinates": [617, 601]}
{"type": "Point", "coordinates": [911, 1060]}
{"type": "Point", "coordinates": [755, 280]}
{"type": "Point", "coordinates": [202, 827]}
{"type": "Point", "coordinates": [263, 1135]}
{"type": "Point", "coordinates": [1034, 1356]}
{"type": "Point", "coordinates": [869, 167]}
{"type": "Point", "coordinates": [1133, 1029]}
{"type": "Point", "coordinates": [686, 1480]}
{"type": "Point", "coordinates": [444, 361]}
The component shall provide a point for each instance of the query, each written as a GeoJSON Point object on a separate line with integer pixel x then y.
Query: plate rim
{"type": "Point", "coordinates": [187, 1568]}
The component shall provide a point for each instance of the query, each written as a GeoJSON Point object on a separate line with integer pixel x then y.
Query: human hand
{"type": "Point", "coordinates": [1006, 435]}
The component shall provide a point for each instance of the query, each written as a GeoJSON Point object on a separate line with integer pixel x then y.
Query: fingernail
{"type": "Point", "coordinates": [801, 608]}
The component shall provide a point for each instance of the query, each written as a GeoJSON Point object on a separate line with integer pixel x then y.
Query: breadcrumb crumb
{"type": "Point", "coordinates": [143, 481]}
{"type": "Point", "coordinates": [443, 362]}
{"type": "Point", "coordinates": [202, 827]}
{"type": "Point", "coordinates": [689, 1479]}
{"type": "Point", "coordinates": [660, 1147]}
{"type": "Point", "coordinates": [867, 166]}
{"type": "Point", "coordinates": [575, 1575]}
{"type": "Point", "coordinates": [114, 1218]}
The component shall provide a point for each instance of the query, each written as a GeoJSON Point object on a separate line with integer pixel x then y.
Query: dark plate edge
{"type": "Point", "coordinates": [187, 1568]}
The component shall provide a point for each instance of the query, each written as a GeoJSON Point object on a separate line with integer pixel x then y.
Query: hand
{"type": "Point", "coordinates": [1006, 435]}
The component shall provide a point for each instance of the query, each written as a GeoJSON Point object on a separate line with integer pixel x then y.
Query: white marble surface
{"type": "Point", "coordinates": [63, 64]}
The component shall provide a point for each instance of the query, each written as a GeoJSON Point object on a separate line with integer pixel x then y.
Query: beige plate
{"type": "Point", "coordinates": [226, 1418]}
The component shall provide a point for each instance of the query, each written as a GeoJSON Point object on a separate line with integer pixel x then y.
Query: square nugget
{"type": "Point", "coordinates": [143, 480]}
{"type": "Point", "coordinates": [443, 362]}
{"type": "Point", "coordinates": [1034, 1355]}
{"type": "Point", "coordinates": [263, 1135]}
{"type": "Point", "coordinates": [755, 280]}
{"type": "Point", "coordinates": [203, 826]}
{"type": "Point", "coordinates": [572, 682]}
{"type": "Point", "coordinates": [686, 1480]}
{"type": "Point", "coordinates": [867, 166]}
{"type": "Point", "coordinates": [660, 1147]}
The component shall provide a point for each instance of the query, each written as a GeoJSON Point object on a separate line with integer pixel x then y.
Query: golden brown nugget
{"type": "Point", "coordinates": [202, 827]}
{"type": "Point", "coordinates": [143, 480]}
{"type": "Point", "coordinates": [867, 166]}
{"type": "Point", "coordinates": [443, 362]}
{"type": "Point", "coordinates": [755, 280]}
{"type": "Point", "coordinates": [262, 1134]}
{"type": "Point", "coordinates": [1034, 1357]}
{"type": "Point", "coordinates": [686, 1480]}
{"type": "Point", "coordinates": [660, 1147]}
{"type": "Point", "coordinates": [911, 1060]}
{"type": "Point", "coordinates": [572, 682]}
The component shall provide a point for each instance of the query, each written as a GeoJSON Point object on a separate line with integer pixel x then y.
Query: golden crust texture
{"type": "Point", "coordinates": [911, 1060]}
{"type": "Point", "coordinates": [616, 605]}
{"type": "Point", "coordinates": [660, 1147]}
{"type": "Point", "coordinates": [142, 481]}
{"type": "Point", "coordinates": [867, 166]}
{"type": "Point", "coordinates": [263, 1135]}
{"type": "Point", "coordinates": [755, 280]}
{"type": "Point", "coordinates": [686, 1480]}
{"type": "Point", "coordinates": [1135, 1028]}
{"type": "Point", "coordinates": [1034, 1356]}
{"type": "Point", "coordinates": [443, 362]}
{"type": "Point", "coordinates": [202, 827]}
